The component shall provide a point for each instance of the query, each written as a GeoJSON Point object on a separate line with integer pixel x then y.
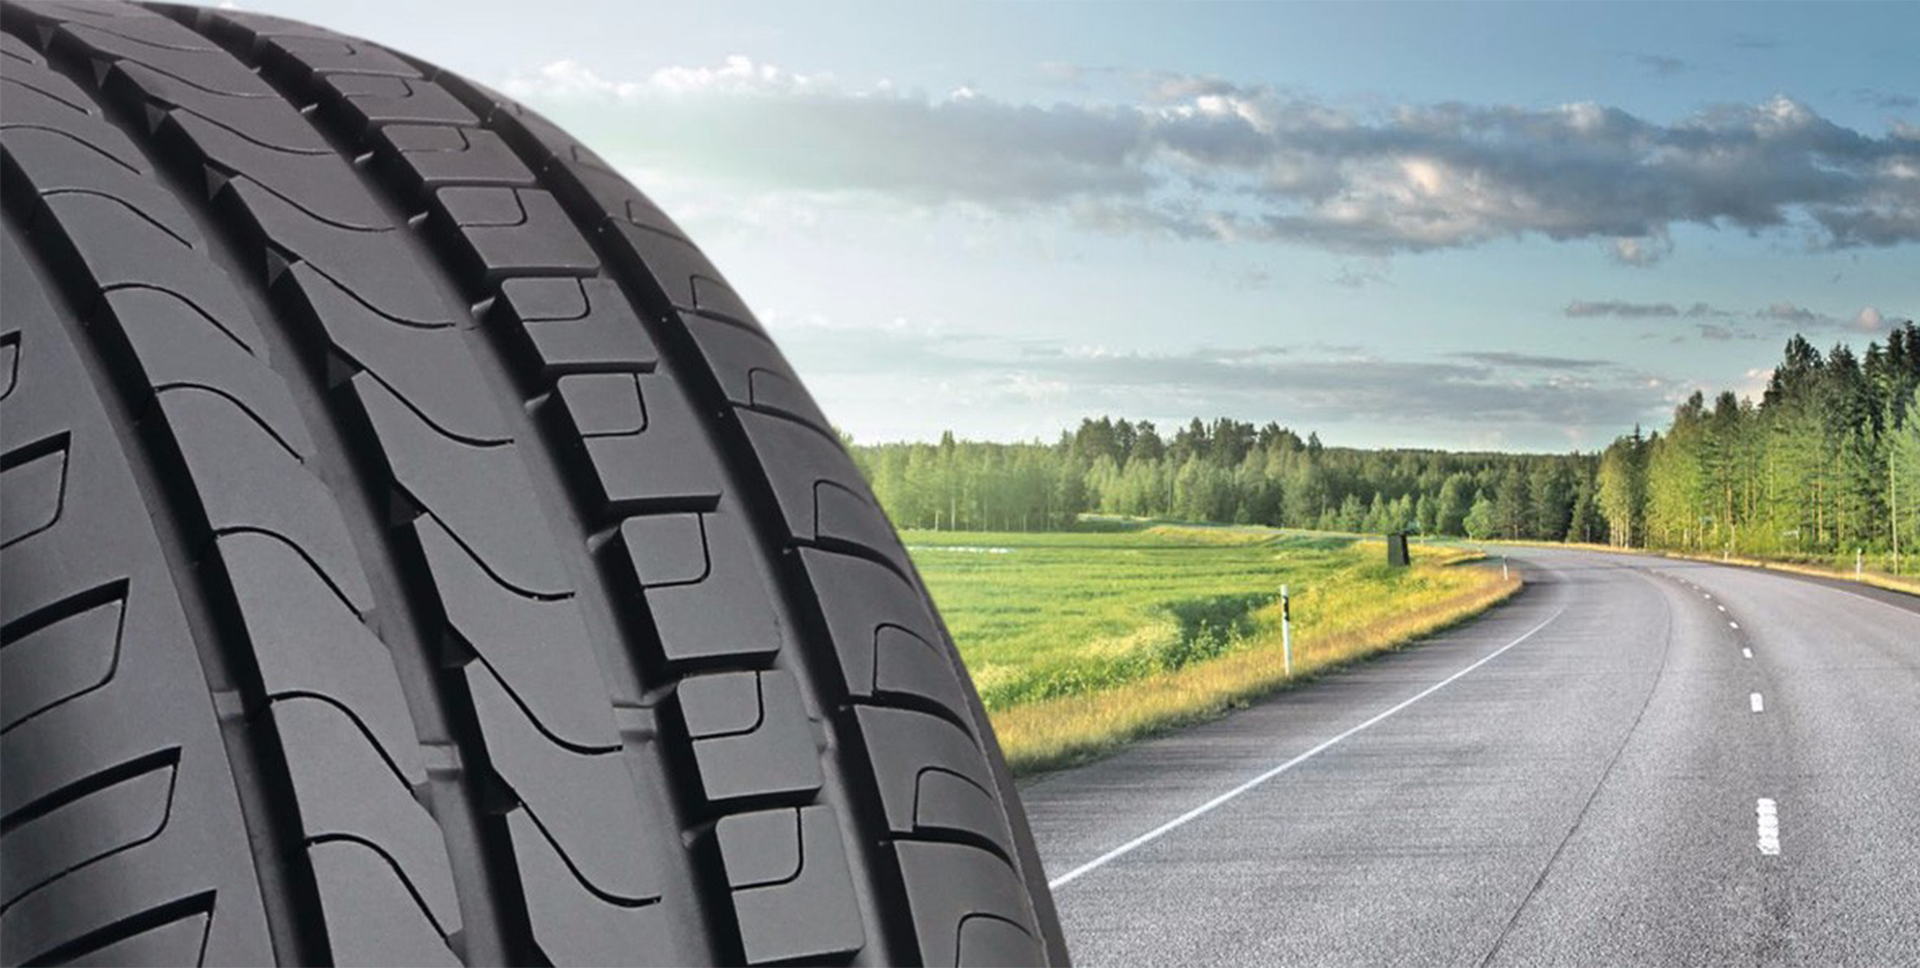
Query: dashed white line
{"type": "Point", "coordinates": [1209, 806]}
{"type": "Point", "coordinates": [1746, 653]}
{"type": "Point", "coordinates": [1733, 625]}
{"type": "Point", "coordinates": [1766, 822]}
{"type": "Point", "coordinates": [1754, 700]}
{"type": "Point", "coordinates": [1721, 607]}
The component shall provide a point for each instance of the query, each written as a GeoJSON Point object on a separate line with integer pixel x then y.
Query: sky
{"type": "Point", "coordinates": [1523, 227]}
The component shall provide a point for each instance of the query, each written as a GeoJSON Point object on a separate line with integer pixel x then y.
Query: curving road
{"type": "Point", "coordinates": [1636, 761]}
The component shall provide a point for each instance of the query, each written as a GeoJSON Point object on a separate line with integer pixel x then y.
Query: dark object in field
{"type": "Point", "coordinates": [415, 553]}
{"type": "Point", "coordinates": [1398, 556]}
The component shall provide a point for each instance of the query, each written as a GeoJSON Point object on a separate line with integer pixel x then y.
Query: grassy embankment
{"type": "Point", "coordinates": [1083, 641]}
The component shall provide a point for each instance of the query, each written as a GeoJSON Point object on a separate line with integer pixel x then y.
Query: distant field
{"type": "Point", "coordinates": [1078, 641]}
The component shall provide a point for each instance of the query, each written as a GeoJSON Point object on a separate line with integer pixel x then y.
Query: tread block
{"type": "Point", "coordinates": [360, 887]}
{"type": "Point", "coordinates": [306, 641]}
{"type": "Point", "coordinates": [664, 464]}
{"type": "Point", "coordinates": [116, 810]}
{"type": "Point", "coordinates": [39, 97]}
{"type": "Point", "coordinates": [476, 493]}
{"type": "Point", "coordinates": [514, 232]}
{"type": "Point", "coordinates": [671, 261]}
{"type": "Point", "coordinates": [707, 596]}
{"type": "Point", "coordinates": [953, 888]}
{"type": "Point", "coordinates": [712, 296]}
{"type": "Point", "coordinates": [181, 940]}
{"type": "Point", "coordinates": [246, 481]}
{"type": "Point", "coordinates": [59, 161]}
{"type": "Point", "coordinates": [583, 803]}
{"type": "Point", "coordinates": [34, 478]}
{"type": "Point", "coordinates": [372, 100]}
{"type": "Point", "coordinates": [376, 269]}
{"type": "Point", "coordinates": [540, 649]}
{"type": "Point", "coordinates": [115, 246]}
{"type": "Point", "coordinates": [174, 344]}
{"type": "Point", "coordinates": [431, 157]}
{"type": "Point", "coordinates": [576, 326]}
{"type": "Point", "coordinates": [422, 366]}
{"type": "Point", "coordinates": [346, 787]}
{"type": "Point", "coordinates": [988, 940]}
{"type": "Point", "coordinates": [305, 50]}
{"type": "Point", "coordinates": [594, 179]}
{"type": "Point", "coordinates": [751, 370]}
{"type": "Point", "coordinates": [792, 890]}
{"type": "Point", "coordinates": [751, 736]}
{"type": "Point", "coordinates": [71, 656]}
{"type": "Point", "coordinates": [821, 494]}
{"type": "Point", "coordinates": [65, 922]}
{"type": "Point", "coordinates": [9, 363]}
{"type": "Point", "coordinates": [603, 404]}
{"type": "Point", "coordinates": [316, 184]}
{"type": "Point", "coordinates": [574, 926]}
{"type": "Point", "coordinates": [884, 633]}
{"type": "Point", "coordinates": [932, 776]}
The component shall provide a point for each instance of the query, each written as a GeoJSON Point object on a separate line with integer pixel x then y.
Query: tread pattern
{"type": "Point", "coordinates": [693, 684]}
{"type": "Point", "coordinates": [115, 777]}
{"type": "Point", "coordinates": [191, 358]}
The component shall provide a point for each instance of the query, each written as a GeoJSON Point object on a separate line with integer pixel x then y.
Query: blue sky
{"type": "Point", "coordinates": [1461, 226]}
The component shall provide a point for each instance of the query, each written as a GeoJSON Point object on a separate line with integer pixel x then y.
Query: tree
{"type": "Point", "coordinates": [1903, 483]}
{"type": "Point", "coordinates": [1456, 498]}
{"type": "Point", "coordinates": [1512, 505]}
{"type": "Point", "coordinates": [1622, 494]}
{"type": "Point", "coordinates": [1552, 489]}
{"type": "Point", "coordinates": [1482, 520]}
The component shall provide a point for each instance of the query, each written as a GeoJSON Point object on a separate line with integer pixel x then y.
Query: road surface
{"type": "Point", "coordinates": [1636, 761]}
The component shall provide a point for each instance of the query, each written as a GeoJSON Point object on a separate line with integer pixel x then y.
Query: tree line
{"type": "Point", "coordinates": [1227, 471]}
{"type": "Point", "coordinates": [1827, 460]}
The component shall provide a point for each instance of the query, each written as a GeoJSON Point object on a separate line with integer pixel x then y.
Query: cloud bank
{"type": "Point", "coordinates": [1868, 320]}
{"type": "Point", "coordinates": [1200, 157]}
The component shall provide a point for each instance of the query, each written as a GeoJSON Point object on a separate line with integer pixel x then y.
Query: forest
{"type": "Point", "coordinates": [1826, 462]}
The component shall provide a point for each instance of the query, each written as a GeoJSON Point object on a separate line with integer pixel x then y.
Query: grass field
{"type": "Point", "coordinates": [1084, 640]}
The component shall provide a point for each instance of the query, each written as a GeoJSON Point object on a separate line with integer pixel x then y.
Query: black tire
{"type": "Point", "coordinates": [415, 553]}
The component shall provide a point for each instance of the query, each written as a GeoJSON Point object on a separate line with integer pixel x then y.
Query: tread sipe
{"type": "Point", "coordinates": [415, 553]}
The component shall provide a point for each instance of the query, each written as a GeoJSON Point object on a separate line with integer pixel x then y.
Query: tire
{"type": "Point", "coordinates": [415, 553]}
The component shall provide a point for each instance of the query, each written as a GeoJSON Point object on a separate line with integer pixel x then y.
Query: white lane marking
{"type": "Point", "coordinates": [1767, 825]}
{"type": "Point", "coordinates": [1746, 653]}
{"type": "Point", "coordinates": [1733, 625]}
{"type": "Point", "coordinates": [1721, 607]}
{"type": "Point", "coordinates": [1209, 806]}
{"type": "Point", "coordinates": [1754, 700]}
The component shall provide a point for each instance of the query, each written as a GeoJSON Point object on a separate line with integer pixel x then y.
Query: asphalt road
{"type": "Point", "coordinates": [1636, 761]}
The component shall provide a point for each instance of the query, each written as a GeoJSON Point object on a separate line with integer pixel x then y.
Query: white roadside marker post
{"type": "Point", "coordinates": [1503, 569]}
{"type": "Point", "coordinates": [1859, 562]}
{"type": "Point", "coordinates": [1286, 630]}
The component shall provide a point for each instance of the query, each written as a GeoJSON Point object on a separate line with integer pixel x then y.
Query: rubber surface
{"type": "Point", "coordinates": [415, 552]}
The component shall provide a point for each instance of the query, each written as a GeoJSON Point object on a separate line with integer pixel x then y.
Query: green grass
{"type": "Point", "coordinates": [1078, 641]}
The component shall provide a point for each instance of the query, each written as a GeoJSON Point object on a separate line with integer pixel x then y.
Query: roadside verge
{"type": "Point", "coordinates": [1054, 733]}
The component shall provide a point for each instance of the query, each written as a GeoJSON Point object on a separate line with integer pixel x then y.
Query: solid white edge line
{"type": "Point", "coordinates": [1209, 806]}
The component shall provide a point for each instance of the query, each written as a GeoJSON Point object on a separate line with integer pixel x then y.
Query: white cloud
{"type": "Point", "coordinates": [1202, 157]}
